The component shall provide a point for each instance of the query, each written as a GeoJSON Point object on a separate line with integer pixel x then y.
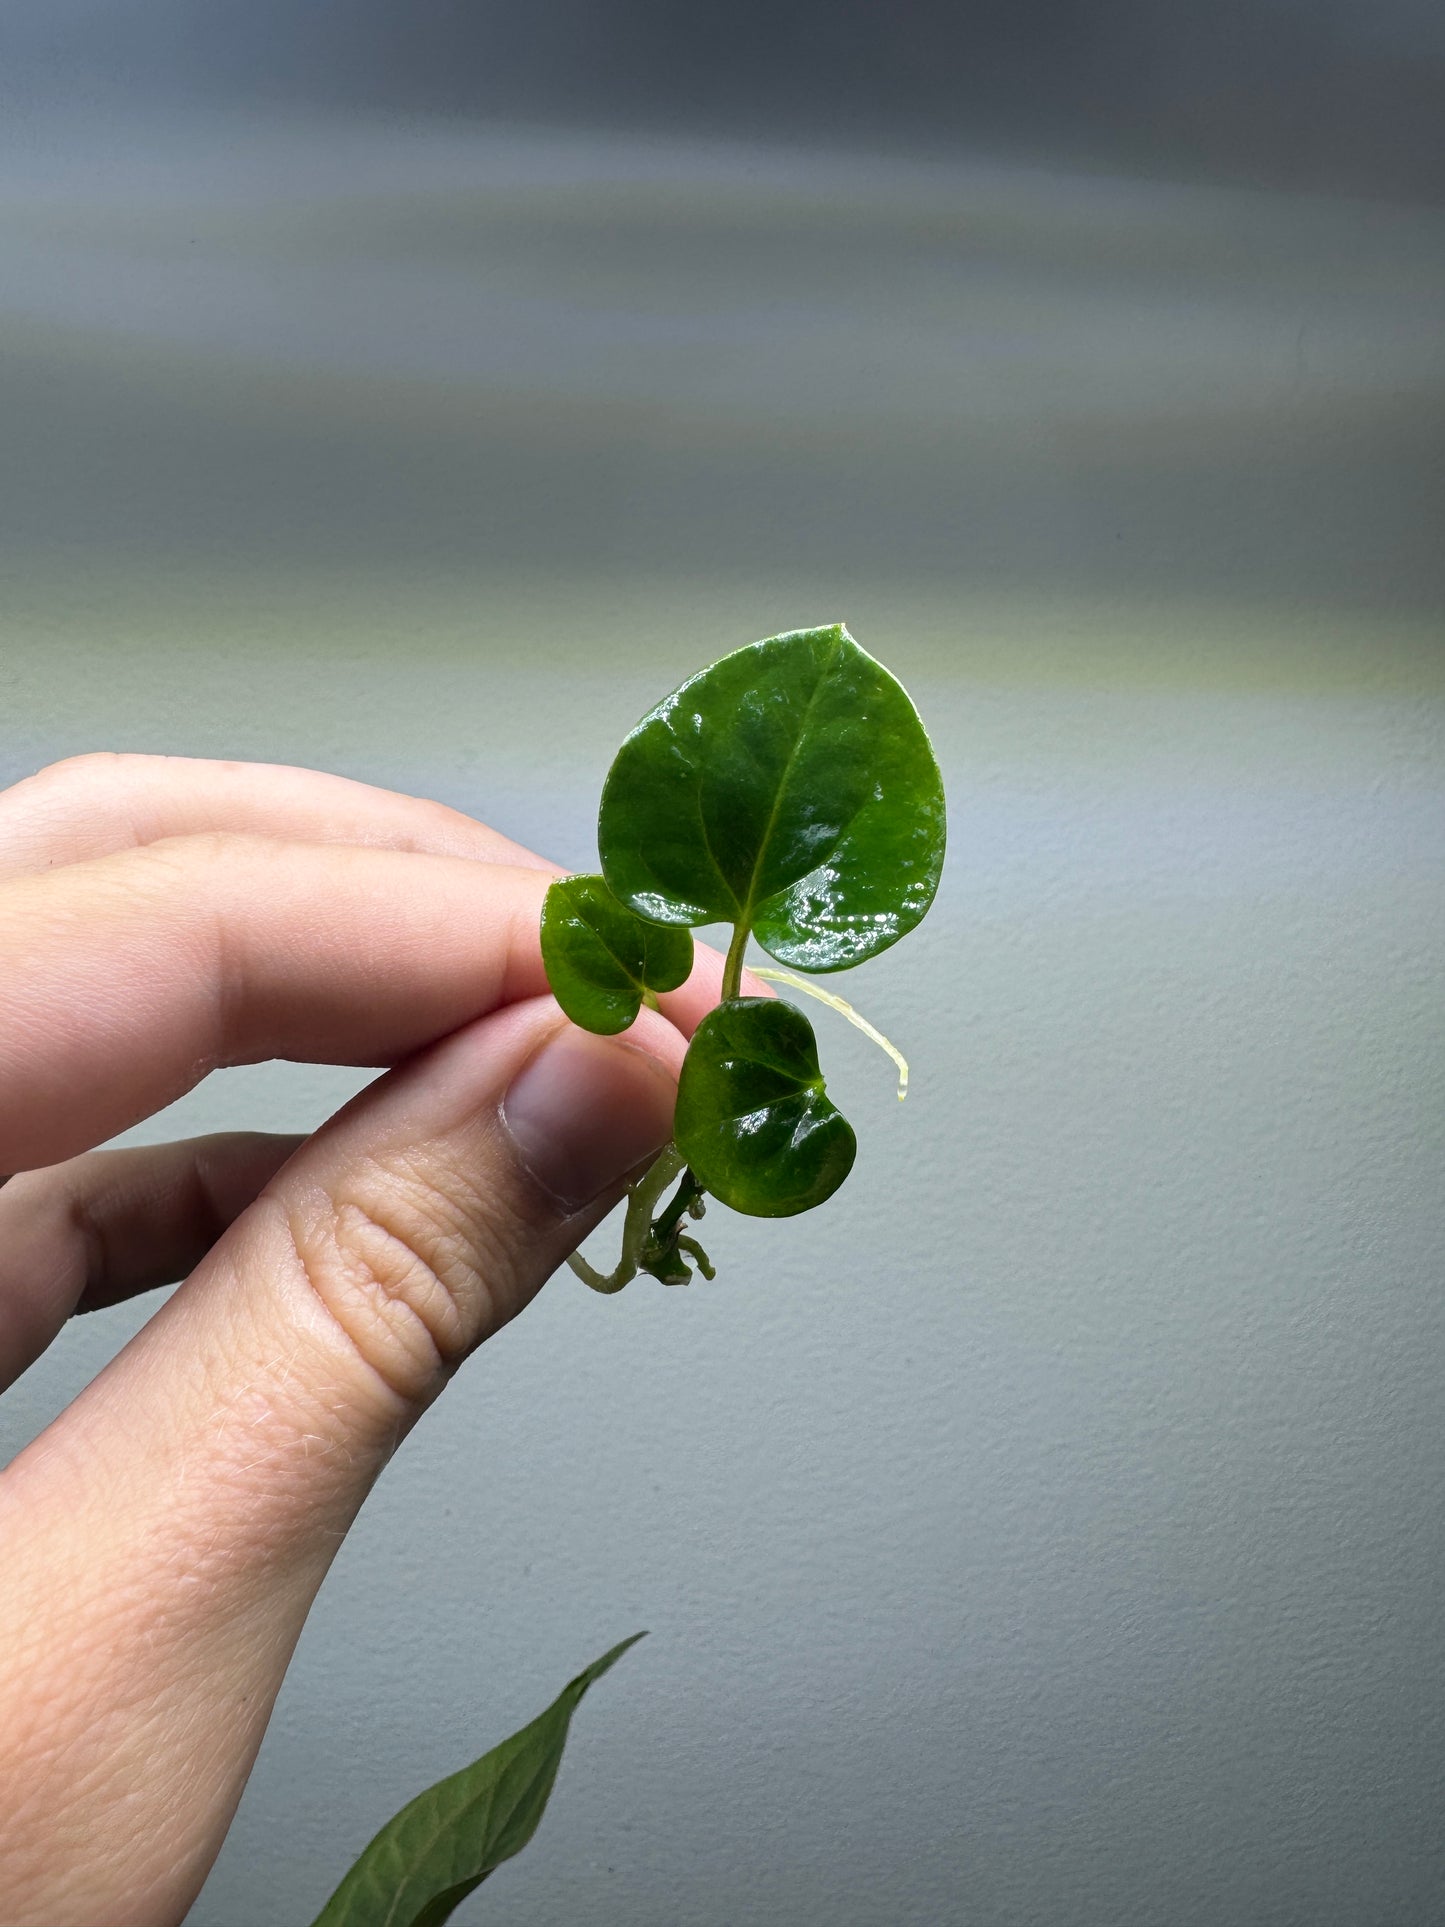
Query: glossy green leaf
{"type": "Point", "coordinates": [790, 788]}
{"type": "Point", "coordinates": [753, 1119]}
{"type": "Point", "coordinates": [601, 959]}
{"type": "Point", "coordinates": [440, 1847]}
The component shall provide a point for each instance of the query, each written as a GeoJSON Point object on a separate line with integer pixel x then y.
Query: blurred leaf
{"type": "Point", "coordinates": [790, 788]}
{"type": "Point", "coordinates": [440, 1847]}
{"type": "Point", "coordinates": [753, 1119]}
{"type": "Point", "coordinates": [601, 960]}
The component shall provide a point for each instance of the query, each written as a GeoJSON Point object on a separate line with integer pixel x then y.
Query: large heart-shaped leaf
{"type": "Point", "coordinates": [753, 1119]}
{"type": "Point", "coordinates": [440, 1847]}
{"type": "Point", "coordinates": [601, 959]}
{"type": "Point", "coordinates": [791, 789]}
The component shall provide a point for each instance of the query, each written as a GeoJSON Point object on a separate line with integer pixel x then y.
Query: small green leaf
{"type": "Point", "coordinates": [431, 1855]}
{"type": "Point", "coordinates": [753, 1119]}
{"type": "Point", "coordinates": [791, 789]}
{"type": "Point", "coordinates": [601, 960]}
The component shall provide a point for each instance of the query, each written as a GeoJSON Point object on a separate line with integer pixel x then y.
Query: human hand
{"type": "Point", "coordinates": [165, 1537]}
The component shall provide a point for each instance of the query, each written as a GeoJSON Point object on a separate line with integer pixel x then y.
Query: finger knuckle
{"type": "Point", "coordinates": [54, 781]}
{"type": "Point", "coordinates": [196, 852]}
{"type": "Point", "coordinates": [403, 1265]}
{"type": "Point", "coordinates": [89, 762]}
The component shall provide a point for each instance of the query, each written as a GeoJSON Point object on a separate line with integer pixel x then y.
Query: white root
{"type": "Point", "coordinates": [844, 1010]}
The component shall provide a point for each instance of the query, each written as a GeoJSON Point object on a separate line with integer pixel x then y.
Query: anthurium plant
{"type": "Point", "coordinates": [791, 792]}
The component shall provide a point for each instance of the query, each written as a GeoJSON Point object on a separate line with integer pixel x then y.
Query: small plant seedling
{"type": "Point", "coordinates": [791, 791]}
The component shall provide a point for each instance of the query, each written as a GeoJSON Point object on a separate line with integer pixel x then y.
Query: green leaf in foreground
{"type": "Point", "coordinates": [753, 1119]}
{"type": "Point", "coordinates": [444, 1843]}
{"type": "Point", "coordinates": [601, 960]}
{"type": "Point", "coordinates": [790, 789]}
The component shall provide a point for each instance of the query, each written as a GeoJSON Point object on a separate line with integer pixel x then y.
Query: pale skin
{"type": "Point", "coordinates": [163, 1540]}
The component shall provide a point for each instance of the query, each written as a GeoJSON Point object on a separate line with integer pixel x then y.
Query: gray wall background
{"type": "Point", "coordinates": [1051, 1530]}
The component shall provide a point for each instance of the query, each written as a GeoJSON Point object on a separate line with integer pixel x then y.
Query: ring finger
{"type": "Point", "coordinates": [109, 1224]}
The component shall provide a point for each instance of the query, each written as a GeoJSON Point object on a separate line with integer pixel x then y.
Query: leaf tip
{"type": "Point", "coordinates": [611, 1658]}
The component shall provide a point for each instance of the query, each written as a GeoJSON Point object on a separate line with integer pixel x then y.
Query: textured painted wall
{"type": "Point", "coordinates": [1051, 1530]}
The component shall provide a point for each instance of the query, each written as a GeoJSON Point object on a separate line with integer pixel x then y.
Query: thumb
{"type": "Point", "coordinates": [181, 1514]}
{"type": "Point", "coordinates": [432, 1211]}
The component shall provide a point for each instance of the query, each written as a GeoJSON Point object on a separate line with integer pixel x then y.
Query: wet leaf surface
{"type": "Point", "coordinates": [601, 959]}
{"type": "Point", "coordinates": [791, 788]}
{"type": "Point", "coordinates": [753, 1118]}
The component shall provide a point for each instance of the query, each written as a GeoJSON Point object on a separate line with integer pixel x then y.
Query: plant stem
{"type": "Point", "coordinates": [641, 1200]}
{"type": "Point", "coordinates": [733, 968]}
{"type": "Point", "coordinates": [682, 1198]}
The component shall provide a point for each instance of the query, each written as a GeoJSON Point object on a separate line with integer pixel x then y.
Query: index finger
{"type": "Point", "coordinates": [124, 981]}
{"type": "Point", "coordinates": [89, 806]}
